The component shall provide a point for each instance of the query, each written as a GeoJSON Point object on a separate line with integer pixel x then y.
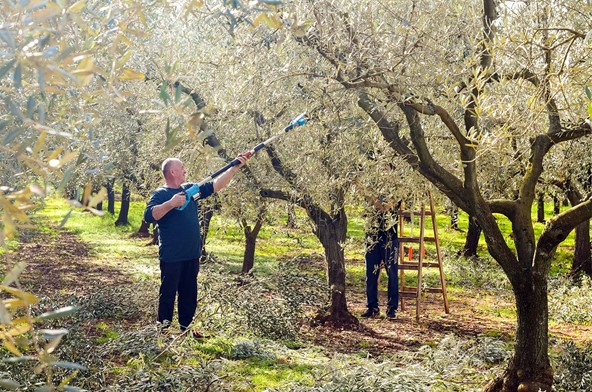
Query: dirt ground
{"type": "Point", "coordinates": [381, 335]}
{"type": "Point", "coordinates": [61, 263]}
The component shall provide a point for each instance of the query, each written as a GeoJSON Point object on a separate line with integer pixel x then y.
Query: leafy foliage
{"type": "Point", "coordinates": [569, 302]}
{"type": "Point", "coordinates": [574, 368]}
{"type": "Point", "coordinates": [247, 348]}
{"type": "Point", "coordinates": [452, 365]}
{"type": "Point", "coordinates": [300, 286]}
{"type": "Point", "coordinates": [475, 273]}
{"type": "Point", "coordinates": [246, 304]}
{"type": "Point", "coordinates": [171, 379]}
{"type": "Point", "coordinates": [27, 343]}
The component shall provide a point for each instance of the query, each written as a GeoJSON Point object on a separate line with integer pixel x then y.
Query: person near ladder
{"type": "Point", "coordinates": [382, 246]}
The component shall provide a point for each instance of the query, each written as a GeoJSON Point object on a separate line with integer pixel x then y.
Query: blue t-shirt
{"type": "Point", "coordinates": [178, 231]}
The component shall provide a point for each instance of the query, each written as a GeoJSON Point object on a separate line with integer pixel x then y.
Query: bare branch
{"type": "Point", "coordinates": [565, 134]}
{"type": "Point", "coordinates": [280, 168]}
{"type": "Point", "coordinates": [504, 207]}
{"type": "Point", "coordinates": [276, 194]}
{"type": "Point", "coordinates": [432, 109]}
{"type": "Point", "coordinates": [574, 32]}
{"type": "Point", "coordinates": [525, 74]}
{"type": "Point", "coordinates": [558, 228]}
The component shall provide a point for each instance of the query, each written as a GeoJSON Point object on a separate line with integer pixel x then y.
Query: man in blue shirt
{"type": "Point", "coordinates": [179, 238]}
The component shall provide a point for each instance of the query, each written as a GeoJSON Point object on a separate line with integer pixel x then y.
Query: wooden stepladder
{"type": "Point", "coordinates": [409, 262]}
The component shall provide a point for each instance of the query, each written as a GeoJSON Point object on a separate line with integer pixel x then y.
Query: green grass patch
{"type": "Point", "coordinates": [108, 333]}
{"type": "Point", "coordinates": [215, 347]}
{"type": "Point", "coordinates": [264, 374]}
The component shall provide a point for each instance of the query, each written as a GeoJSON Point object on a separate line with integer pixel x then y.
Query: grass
{"type": "Point", "coordinates": [108, 333]}
{"type": "Point", "coordinates": [9, 245]}
{"type": "Point", "coordinates": [272, 373]}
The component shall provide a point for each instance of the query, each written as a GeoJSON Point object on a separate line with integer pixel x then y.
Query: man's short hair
{"type": "Point", "coordinates": [166, 165]}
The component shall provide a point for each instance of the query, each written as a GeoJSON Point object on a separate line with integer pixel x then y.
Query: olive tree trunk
{"type": "Point", "coordinates": [251, 234]}
{"type": "Point", "coordinates": [331, 230]}
{"type": "Point", "coordinates": [472, 239]}
{"type": "Point", "coordinates": [582, 261]}
{"type": "Point", "coordinates": [122, 218]}
{"type": "Point", "coordinates": [541, 207]}
{"type": "Point", "coordinates": [529, 370]}
{"type": "Point", "coordinates": [109, 185]}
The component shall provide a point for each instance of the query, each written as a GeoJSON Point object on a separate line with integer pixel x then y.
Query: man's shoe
{"type": "Point", "coordinates": [391, 313]}
{"type": "Point", "coordinates": [163, 328]}
{"type": "Point", "coordinates": [370, 312]}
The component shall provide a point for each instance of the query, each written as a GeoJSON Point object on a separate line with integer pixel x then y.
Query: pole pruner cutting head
{"type": "Point", "coordinates": [298, 121]}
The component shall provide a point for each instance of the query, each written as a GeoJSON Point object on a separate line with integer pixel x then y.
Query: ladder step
{"type": "Point", "coordinates": [415, 266]}
{"type": "Point", "coordinates": [416, 239]}
{"type": "Point", "coordinates": [412, 291]}
{"type": "Point", "coordinates": [408, 214]}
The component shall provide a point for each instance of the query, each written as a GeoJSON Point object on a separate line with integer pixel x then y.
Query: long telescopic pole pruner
{"type": "Point", "coordinates": [194, 190]}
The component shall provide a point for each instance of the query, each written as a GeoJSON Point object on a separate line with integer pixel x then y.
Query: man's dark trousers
{"type": "Point", "coordinates": [386, 250]}
{"type": "Point", "coordinates": [178, 278]}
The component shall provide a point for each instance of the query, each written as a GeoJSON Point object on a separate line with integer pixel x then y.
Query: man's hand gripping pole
{"type": "Point", "coordinates": [193, 191]}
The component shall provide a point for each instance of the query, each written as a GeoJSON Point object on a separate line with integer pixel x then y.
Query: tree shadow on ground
{"type": "Point", "coordinates": [60, 262]}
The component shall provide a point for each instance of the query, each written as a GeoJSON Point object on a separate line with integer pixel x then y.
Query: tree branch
{"type": "Point", "coordinates": [525, 74]}
{"type": "Point", "coordinates": [558, 228]}
{"type": "Point", "coordinates": [280, 168]}
{"type": "Point", "coordinates": [504, 207]}
{"type": "Point", "coordinates": [450, 185]}
{"type": "Point", "coordinates": [565, 134]}
{"type": "Point", "coordinates": [540, 147]}
{"type": "Point", "coordinates": [432, 109]}
{"type": "Point", "coordinates": [276, 194]}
